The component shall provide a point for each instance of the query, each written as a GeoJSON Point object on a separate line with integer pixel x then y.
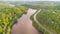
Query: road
{"type": "Point", "coordinates": [35, 19]}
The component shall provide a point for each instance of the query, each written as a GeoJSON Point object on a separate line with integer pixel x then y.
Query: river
{"type": "Point", "coordinates": [24, 24]}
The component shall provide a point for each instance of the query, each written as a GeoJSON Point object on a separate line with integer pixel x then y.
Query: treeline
{"type": "Point", "coordinates": [43, 5]}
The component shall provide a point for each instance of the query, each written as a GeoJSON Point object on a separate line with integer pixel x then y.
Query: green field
{"type": "Point", "coordinates": [8, 15]}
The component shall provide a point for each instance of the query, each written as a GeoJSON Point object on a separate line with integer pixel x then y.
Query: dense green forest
{"type": "Point", "coordinates": [49, 17]}
{"type": "Point", "coordinates": [8, 15]}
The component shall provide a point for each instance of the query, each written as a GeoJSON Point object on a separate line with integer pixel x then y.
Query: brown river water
{"type": "Point", "coordinates": [24, 24]}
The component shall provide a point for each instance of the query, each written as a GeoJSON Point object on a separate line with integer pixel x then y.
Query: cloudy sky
{"type": "Point", "coordinates": [29, 0]}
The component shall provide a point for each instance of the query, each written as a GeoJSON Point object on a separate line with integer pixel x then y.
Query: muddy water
{"type": "Point", "coordinates": [24, 25]}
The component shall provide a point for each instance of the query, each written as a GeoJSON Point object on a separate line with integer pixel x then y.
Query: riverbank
{"type": "Point", "coordinates": [37, 25]}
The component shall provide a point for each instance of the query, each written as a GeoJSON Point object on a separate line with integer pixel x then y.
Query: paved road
{"type": "Point", "coordinates": [40, 24]}
{"type": "Point", "coordinates": [24, 25]}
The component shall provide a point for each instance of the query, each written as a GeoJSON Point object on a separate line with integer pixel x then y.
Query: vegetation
{"type": "Point", "coordinates": [9, 14]}
{"type": "Point", "coordinates": [49, 17]}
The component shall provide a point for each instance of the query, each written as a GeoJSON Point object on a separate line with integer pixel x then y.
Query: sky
{"type": "Point", "coordinates": [29, 0]}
